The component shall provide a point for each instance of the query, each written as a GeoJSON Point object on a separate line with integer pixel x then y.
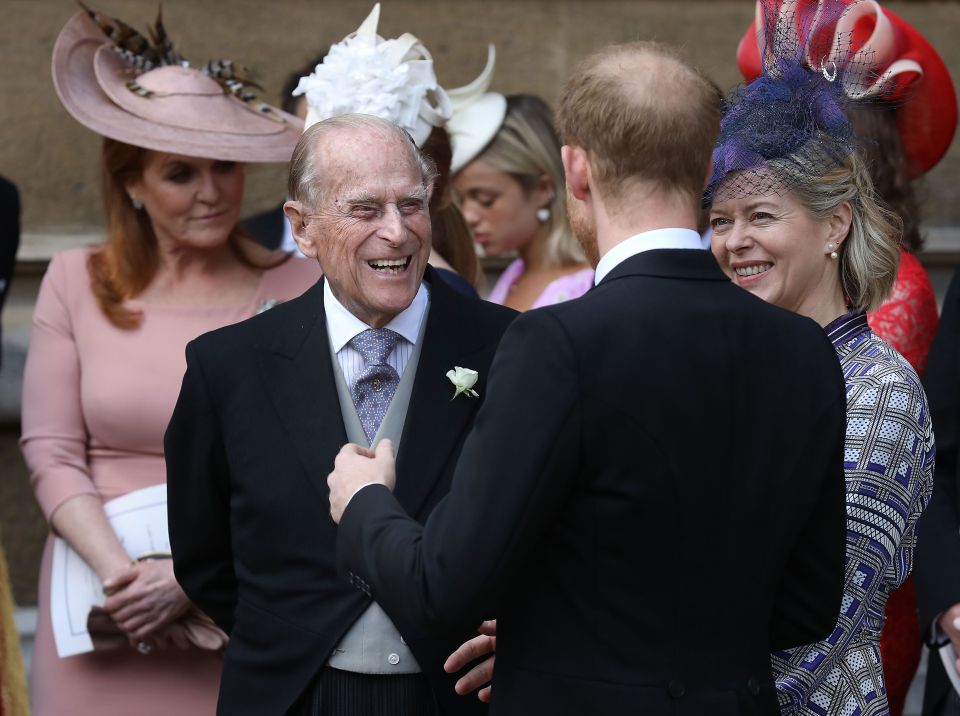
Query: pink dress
{"type": "Point", "coordinates": [558, 291]}
{"type": "Point", "coordinates": [96, 402]}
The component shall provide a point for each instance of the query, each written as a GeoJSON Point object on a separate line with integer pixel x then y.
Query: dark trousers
{"type": "Point", "coordinates": [344, 693]}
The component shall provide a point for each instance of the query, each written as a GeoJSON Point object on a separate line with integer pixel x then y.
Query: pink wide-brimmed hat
{"type": "Point", "coordinates": [110, 88]}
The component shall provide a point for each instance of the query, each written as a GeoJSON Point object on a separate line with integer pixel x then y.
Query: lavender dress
{"type": "Point", "coordinates": [558, 291]}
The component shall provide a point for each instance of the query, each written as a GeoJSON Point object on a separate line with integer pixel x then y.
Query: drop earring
{"type": "Point", "coordinates": [543, 215]}
{"type": "Point", "coordinates": [833, 253]}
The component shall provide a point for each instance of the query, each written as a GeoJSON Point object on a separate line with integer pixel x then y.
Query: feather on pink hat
{"type": "Point", "coordinates": [122, 87]}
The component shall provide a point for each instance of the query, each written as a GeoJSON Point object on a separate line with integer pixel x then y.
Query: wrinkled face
{"type": "Point", "coordinates": [371, 231]}
{"type": "Point", "coordinates": [774, 247]}
{"type": "Point", "coordinates": [501, 213]}
{"type": "Point", "coordinates": [191, 202]}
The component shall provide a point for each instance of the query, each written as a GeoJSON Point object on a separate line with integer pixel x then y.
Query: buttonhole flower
{"type": "Point", "coordinates": [463, 380]}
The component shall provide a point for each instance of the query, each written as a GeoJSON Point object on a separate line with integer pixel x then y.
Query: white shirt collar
{"type": "Point", "coordinates": [342, 325]}
{"type": "Point", "coordinates": [638, 243]}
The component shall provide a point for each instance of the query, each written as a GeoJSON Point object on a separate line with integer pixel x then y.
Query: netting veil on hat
{"type": "Point", "coordinates": [791, 121]}
{"type": "Point", "coordinates": [896, 64]}
{"type": "Point", "coordinates": [391, 79]}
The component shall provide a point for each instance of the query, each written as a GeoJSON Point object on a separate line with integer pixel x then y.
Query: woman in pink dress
{"type": "Point", "coordinates": [509, 177]}
{"type": "Point", "coordinates": [106, 354]}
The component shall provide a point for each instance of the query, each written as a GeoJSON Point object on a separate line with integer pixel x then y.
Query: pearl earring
{"type": "Point", "coordinates": [833, 253]}
{"type": "Point", "coordinates": [543, 215]}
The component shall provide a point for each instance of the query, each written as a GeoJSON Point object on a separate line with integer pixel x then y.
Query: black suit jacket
{"type": "Point", "coordinates": [266, 228]}
{"type": "Point", "coordinates": [254, 434]}
{"type": "Point", "coordinates": [651, 500]}
{"type": "Point", "coordinates": [9, 235]}
{"type": "Point", "coordinates": [937, 559]}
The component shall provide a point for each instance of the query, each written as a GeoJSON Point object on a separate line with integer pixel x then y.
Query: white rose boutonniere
{"type": "Point", "coordinates": [463, 380]}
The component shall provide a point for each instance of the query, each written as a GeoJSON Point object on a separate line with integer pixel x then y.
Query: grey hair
{"type": "Point", "coordinates": [304, 182]}
{"type": "Point", "coordinates": [870, 253]}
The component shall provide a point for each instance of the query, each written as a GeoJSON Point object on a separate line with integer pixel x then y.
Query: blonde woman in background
{"type": "Point", "coordinates": [509, 177]}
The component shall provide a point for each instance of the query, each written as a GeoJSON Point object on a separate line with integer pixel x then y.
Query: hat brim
{"type": "Point", "coordinates": [257, 139]}
{"type": "Point", "coordinates": [473, 127]}
{"type": "Point", "coordinates": [926, 116]}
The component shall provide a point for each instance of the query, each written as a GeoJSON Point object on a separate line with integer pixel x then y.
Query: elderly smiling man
{"type": "Point", "coordinates": [266, 405]}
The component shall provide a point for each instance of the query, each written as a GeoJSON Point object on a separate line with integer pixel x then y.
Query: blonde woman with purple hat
{"type": "Point", "coordinates": [106, 356]}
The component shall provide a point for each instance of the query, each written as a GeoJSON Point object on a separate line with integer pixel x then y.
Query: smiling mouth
{"type": "Point", "coordinates": [390, 266]}
{"type": "Point", "coordinates": [752, 270]}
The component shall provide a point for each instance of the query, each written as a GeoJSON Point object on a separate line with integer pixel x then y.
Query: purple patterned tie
{"type": "Point", "coordinates": [374, 389]}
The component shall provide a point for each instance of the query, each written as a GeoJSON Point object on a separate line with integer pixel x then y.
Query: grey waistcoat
{"type": "Point", "coordinates": [373, 645]}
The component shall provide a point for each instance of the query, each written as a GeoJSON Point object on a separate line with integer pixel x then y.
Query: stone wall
{"type": "Point", "coordinates": [54, 160]}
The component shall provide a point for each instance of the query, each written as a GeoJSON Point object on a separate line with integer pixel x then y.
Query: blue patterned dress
{"type": "Point", "coordinates": [888, 461]}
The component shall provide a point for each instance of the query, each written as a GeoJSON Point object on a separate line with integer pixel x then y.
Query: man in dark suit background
{"type": "Point", "coordinates": [267, 403]}
{"type": "Point", "coordinates": [270, 228]}
{"type": "Point", "coordinates": [937, 566]}
{"type": "Point", "coordinates": [652, 497]}
{"type": "Point", "coordinates": [9, 234]}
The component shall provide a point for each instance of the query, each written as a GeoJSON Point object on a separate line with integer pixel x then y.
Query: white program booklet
{"type": "Point", "coordinates": [140, 520]}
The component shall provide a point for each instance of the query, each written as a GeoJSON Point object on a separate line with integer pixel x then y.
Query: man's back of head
{"type": "Point", "coordinates": [643, 116]}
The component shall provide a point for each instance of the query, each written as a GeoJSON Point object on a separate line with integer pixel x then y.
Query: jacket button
{"type": "Point", "coordinates": [394, 659]}
{"type": "Point", "coordinates": [676, 688]}
{"type": "Point", "coordinates": [753, 686]}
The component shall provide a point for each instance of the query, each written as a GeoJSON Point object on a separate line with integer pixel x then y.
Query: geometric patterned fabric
{"type": "Point", "coordinates": [888, 466]}
{"type": "Point", "coordinates": [376, 385]}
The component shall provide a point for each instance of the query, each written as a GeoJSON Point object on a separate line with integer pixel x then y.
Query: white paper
{"type": "Point", "coordinates": [949, 658]}
{"type": "Point", "coordinates": [139, 519]}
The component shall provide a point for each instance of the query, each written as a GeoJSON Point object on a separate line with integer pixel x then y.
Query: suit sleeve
{"type": "Point", "coordinates": [937, 577]}
{"type": "Point", "coordinates": [516, 469]}
{"type": "Point", "coordinates": [809, 597]}
{"type": "Point", "coordinates": [198, 499]}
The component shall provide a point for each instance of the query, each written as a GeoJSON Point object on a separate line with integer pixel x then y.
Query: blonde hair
{"type": "Point", "coordinates": [526, 147]}
{"type": "Point", "coordinates": [641, 113]}
{"type": "Point", "coordinates": [870, 253]}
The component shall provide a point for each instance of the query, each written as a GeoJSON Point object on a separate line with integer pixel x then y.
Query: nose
{"type": "Point", "coordinates": [209, 191]}
{"type": "Point", "coordinates": [391, 226]}
{"type": "Point", "coordinates": [737, 237]}
{"type": "Point", "coordinates": [470, 213]}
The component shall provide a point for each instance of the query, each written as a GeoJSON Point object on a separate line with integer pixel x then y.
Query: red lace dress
{"type": "Point", "coordinates": [907, 320]}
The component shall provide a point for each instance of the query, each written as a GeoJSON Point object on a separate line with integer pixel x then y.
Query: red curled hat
{"type": "Point", "coordinates": [900, 66]}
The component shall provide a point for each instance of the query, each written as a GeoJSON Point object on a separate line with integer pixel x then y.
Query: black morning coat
{"type": "Point", "coordinates": [254, 434]}
{"type": "Point", "coordinates": [651, 501]}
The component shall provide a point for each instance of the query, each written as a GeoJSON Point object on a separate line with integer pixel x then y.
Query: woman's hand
{"type": "Point", "coordinates": [145, 597]}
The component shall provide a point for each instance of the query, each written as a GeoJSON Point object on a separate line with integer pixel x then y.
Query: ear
{"type": "Point", "coordinates": [544, 191]}
{"type": "Point", "coordinates": [576, 166]}
{"type": "Point", "coordinates": [839, 222]}
{"type": "Point", "coordinates": [706, 179]}
{"type": "Point", "coordinates": [296, 214]}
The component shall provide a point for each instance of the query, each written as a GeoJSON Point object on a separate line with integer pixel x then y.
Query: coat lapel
{"type": "Point", "coordinates": [298, 373]}
{"type": "Point", "coordinates": [435, 424]}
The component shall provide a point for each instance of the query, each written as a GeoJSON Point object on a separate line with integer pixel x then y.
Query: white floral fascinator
{"type": "Point", "coordinates": [390, 79]}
